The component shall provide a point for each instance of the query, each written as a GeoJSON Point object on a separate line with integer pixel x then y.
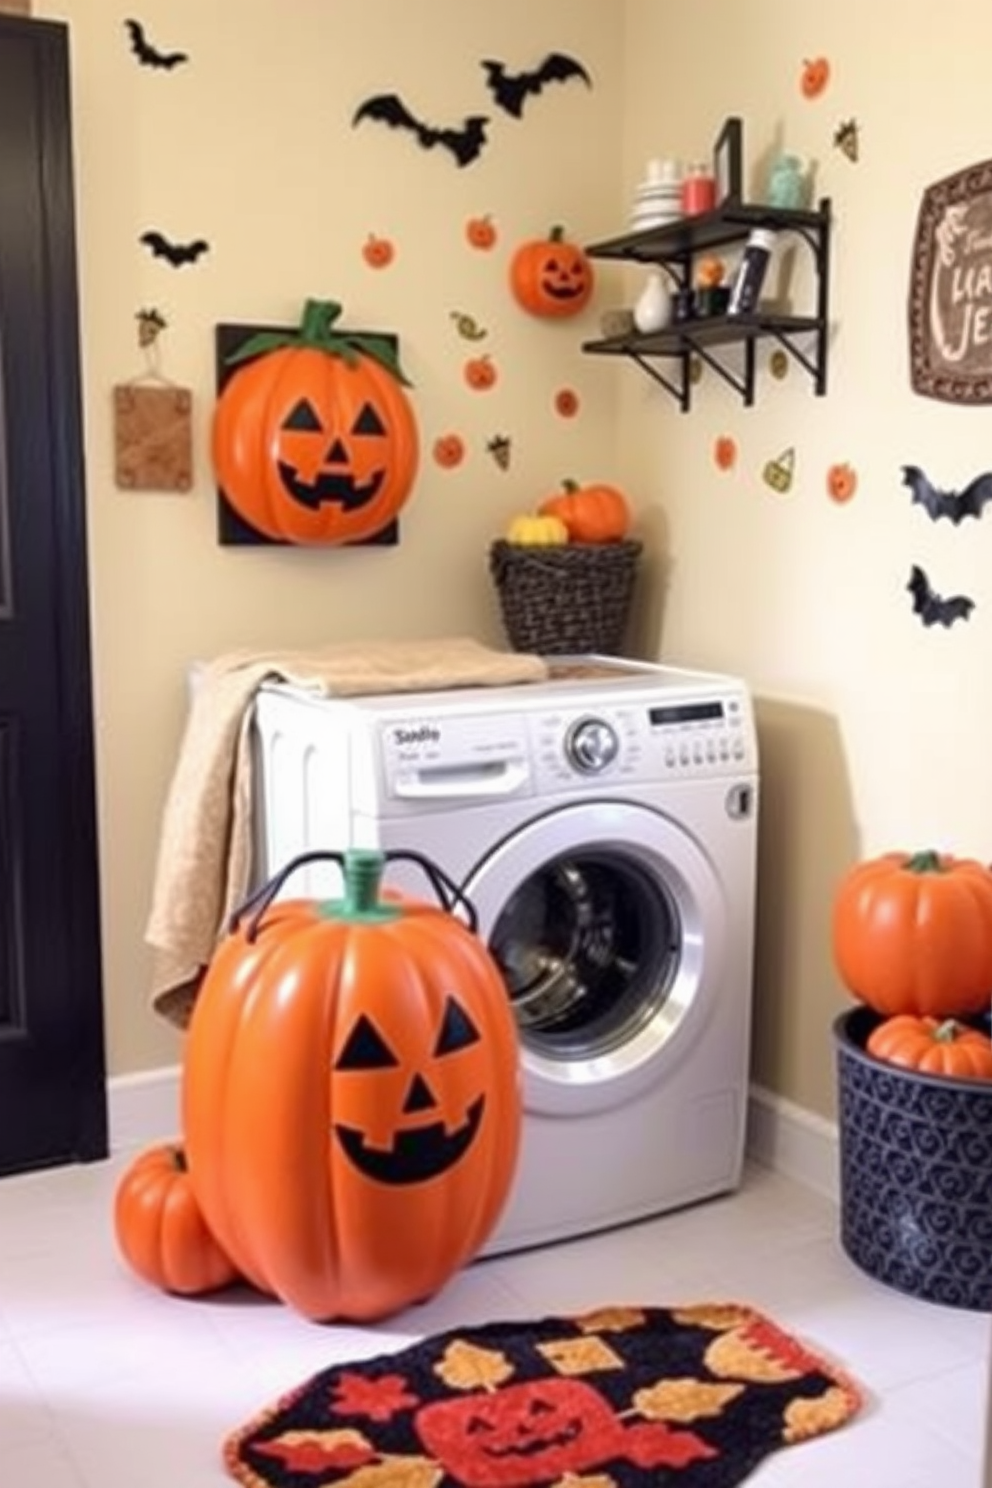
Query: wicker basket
{"type": "Point", "coordinates": [569, 597]}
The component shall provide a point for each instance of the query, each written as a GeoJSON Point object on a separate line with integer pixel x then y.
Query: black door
{"type": "Point", "coordinates": [52, 1089]}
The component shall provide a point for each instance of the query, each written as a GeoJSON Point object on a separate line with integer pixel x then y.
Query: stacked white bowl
{"type": "Point", "coordinates": [658, 198]}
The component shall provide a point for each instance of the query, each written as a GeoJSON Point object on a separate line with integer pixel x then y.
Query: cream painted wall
{"type": "Point", "coordinates": [875, 731]}
{"type": "Point", "coordinates": [251, 146]}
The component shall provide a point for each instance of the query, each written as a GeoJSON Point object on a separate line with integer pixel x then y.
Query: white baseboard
{"type": "Point", "coordinates": [144, 1109]}
{"type": "Point", "coordinates": [793, 1141]}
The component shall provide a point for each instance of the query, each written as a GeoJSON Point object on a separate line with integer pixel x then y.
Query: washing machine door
{"type": "Point", "coordinates": [608, 923]}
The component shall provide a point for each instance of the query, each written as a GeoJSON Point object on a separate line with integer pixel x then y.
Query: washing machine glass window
{"type": "Point", "coordinates": [589, 946]}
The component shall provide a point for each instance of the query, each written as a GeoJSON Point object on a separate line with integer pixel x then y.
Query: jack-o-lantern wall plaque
{"type": "Point", "coordinates": [314, 439]}
{"type": "Point", "coordinates": [950, 299]}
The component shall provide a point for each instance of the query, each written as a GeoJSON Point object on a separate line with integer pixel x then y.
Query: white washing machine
{"type": "Point", "coordinates": [604, 825]}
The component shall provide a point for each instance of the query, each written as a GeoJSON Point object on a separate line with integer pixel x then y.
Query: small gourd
{"type": "Point", "coordinates": [536, 531]}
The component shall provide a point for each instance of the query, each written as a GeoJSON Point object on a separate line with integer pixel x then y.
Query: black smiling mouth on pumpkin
{"type": "Point", "coordinates": [531, 1446]}
{"type": "Point", "coordinates": [563, 291]}
{"type": "Point", "coordinates": [417, 1153]}
{"type": "Point", "coordinates": [330, 486]}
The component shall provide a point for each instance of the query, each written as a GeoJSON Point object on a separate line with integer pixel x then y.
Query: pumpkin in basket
{"type": "Point", "coordinates": [592, 514]}
{"type": "Point", "coordinates": [350, 1093]}
{"type": "Point", "coordinates": [912, 933]}
{"type": "Point", "coordinates": [933, 1046]}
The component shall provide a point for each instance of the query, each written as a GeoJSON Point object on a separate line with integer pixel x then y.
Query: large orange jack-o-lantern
{"type": "Point", "coordinates": [351, 1106]}
{"type": "Point", "coordinates": [551, 277]}
{"type": "Point", "coordinates": [314, 439]}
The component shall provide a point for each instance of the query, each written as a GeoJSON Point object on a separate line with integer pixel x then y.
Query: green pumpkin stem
{"type": "Point", "coordinates": [924, 862]}
{"type": "Point", "coordinates": [947, 1031]}
{"type": "Point", "coordinates": [363, 870]}
{"type": "Point", "coordinates": [316, 330]}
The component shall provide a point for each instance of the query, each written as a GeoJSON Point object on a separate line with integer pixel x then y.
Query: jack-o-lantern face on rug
{"type": "Point", "coordinates": [351, 1101]}
{"type": "Point", "coordinates": [420, 1149]}
{"type": "Point", "coordinates": [540, 1431]}
{"type": "Point", "coordinates": [551, 277]}
{"type": "Point", "coordinates": [314, 440]}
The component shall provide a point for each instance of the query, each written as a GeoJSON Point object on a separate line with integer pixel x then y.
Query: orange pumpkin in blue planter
{"type": "Point", "coordinates": [351, 1101]}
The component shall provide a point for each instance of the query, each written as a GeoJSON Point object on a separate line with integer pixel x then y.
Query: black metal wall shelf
{"type": "Point", "coordinates": [675, 248]}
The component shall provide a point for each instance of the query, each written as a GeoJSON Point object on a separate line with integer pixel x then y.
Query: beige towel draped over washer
{"type": "Point", "coordinates": [203, 870]}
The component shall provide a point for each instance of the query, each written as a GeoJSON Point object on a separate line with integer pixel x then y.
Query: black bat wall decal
{"type": "Point", "coordinates": [465, 144]}
{"type": "Point", "coordinates": [146, 54]}
{"type": "Point", "coordinates": [953, 504]}
{"type": "Point", "coordinates": [934, 609]}
{"type": "Point", "coordinates": [512, 89]}
{"type": "Point", "coordinates": [176, 254]}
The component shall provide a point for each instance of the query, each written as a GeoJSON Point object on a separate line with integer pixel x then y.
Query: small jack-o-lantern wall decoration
{"type": "Point", "coordinates": [350, 1094]}
{"type": "Point", "coordinates": [551, 277]}
{"type": "Point", "coordinates": [314, 439]}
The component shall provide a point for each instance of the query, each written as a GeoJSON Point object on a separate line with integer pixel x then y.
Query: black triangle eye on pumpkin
{"type": "Point", "coordinates": [368, 422]}
{"type": "Point", "coordinates": [457, 1030]}
{"type": "Point", "coordinates": [365, 1049]}
{"type": "Point", "coordinates": [302, 417]}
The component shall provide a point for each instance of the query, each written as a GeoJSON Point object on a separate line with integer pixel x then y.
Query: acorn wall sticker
{"type": "Point", "coordinates": [847, 139]}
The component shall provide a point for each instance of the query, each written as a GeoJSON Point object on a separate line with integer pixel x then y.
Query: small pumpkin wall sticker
{"type": "Point", "coordinates": [725, 452]}
{"type": "Point", "coordinates": [814, 77]}
{"type": "Point", "coordinates": [551, 277]}
{"type": "Point", "coordinates": [842, 482]}
{"type": "Point", "coordinates": [566, 402]}
{"type": "Point", "coordinates": [378, 252]}
{"type": "Point", "coordinates": [449, 451]}
{"type": "Point", "coordinates": [480, 232]}
{"type": "Point", "coordinates": [480, 373]}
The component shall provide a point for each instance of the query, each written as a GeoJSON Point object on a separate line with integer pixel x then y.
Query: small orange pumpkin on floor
{"type": "Point", "coordinates": [160, 1229]}
{"type": "Point", "coordinates": [933, 1046]}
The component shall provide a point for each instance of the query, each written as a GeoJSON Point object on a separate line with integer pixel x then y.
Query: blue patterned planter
{"type": "Point", "coordinates": [915, 1174]}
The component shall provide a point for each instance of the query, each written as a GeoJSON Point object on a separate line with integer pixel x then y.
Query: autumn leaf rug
{"type": "Point", "coordinates": [617, 1398]}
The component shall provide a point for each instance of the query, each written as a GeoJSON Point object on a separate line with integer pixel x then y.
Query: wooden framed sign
{"type": "Point", "coordinates": [950, 299]}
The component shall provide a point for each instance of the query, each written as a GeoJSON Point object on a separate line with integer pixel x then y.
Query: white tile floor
{"type": "Point", "coordinates": [106, 1383]}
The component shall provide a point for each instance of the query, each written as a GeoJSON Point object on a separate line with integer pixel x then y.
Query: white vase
{"type": "Point", "coordinates": [653, 308]}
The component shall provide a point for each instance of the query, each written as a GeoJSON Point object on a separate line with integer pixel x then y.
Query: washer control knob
{"type": "Point", "coordinates": [591, 745]}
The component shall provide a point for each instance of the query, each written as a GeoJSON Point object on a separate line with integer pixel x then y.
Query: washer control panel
{"type": "Point", "coordinates": [676, 739]}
